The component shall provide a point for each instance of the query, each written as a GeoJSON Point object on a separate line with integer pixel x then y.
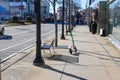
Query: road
{"type": "Point", "coordinates": [18, 38]}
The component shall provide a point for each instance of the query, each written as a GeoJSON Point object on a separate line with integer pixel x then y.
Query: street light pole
{"type": "Point", "coordinates": [63, 36]}
{"type": "Point", "coordinates": [38, 60]}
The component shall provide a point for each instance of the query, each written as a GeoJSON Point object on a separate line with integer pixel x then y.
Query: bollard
{"type": "Point", "coordinates": [102, 32]}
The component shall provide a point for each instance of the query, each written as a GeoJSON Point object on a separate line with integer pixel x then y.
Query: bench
{"type": "Point", "coordinates": [47, 45]}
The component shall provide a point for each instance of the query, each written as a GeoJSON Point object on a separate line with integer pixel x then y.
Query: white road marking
{"type": "Point", "coordinates": [22, 49]}
{"type": "Point", "coordinates": [24, 42]}
{"type": "Point", "coordinates": [47, 33]}
{"type": "Point", "coordinates": [17, 44]}
{"type": "Point", "coordinates": [16, 53]}
{"type": "Point", "coordinates": [20, 33]}
{"type": "Point", "coordinates": [28, 31]}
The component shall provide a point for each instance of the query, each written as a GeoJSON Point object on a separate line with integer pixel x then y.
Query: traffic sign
{"type": "Point", "coordinates": [21, 7]}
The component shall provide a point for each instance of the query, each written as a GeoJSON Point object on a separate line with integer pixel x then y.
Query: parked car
{"type": "Point", "coordinates": [1, 29]}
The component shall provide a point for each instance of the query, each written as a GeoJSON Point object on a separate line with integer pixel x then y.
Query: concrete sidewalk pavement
{"type": "Point", "coordinates": [96, 59]}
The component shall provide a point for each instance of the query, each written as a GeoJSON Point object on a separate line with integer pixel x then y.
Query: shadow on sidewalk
{"type": "Point", "coordinates": [6, 37]}
{"type": "Point", "coordinates": [98, 55]}
{"type": "Point", "coordinates": [62, 72]}
{"type": "Point", "coordinates": [91, 42]}
{"type": "Point", "coordinates": [64, 58]}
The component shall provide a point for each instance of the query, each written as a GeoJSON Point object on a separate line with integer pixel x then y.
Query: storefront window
{"type": "Point", "coordinates": [114, 18]}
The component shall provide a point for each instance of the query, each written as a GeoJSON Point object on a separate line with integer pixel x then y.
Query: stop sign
{"type": "Point", "coordinates": [21, 7]}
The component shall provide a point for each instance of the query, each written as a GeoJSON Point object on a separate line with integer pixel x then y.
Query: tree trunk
{"type": "Point", "coordinates": [56, 26]}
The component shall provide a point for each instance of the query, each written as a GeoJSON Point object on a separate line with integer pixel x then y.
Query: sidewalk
{"type": "Point", "coordinates": [96, 59]}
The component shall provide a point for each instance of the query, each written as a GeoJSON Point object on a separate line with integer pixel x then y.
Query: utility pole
{"type": "Point", "coordinates": [38, 60]}
{"type": "Point", "coordinates": [63, 36]}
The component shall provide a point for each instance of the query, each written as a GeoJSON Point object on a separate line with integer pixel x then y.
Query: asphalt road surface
{"type": "Point", "coordinates": [19, 38]}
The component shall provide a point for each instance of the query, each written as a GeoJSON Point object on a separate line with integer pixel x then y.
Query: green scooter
{"type": "Point", "coordinates": [73, 47]}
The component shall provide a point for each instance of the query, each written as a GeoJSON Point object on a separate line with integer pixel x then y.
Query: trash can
{"type": "Point", "coordinates": [94, 27]}
{"type": "Point", "coordinates": [103, 32]}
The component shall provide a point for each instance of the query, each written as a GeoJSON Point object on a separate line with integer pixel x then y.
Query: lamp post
{"type": "Point", "coordinates": [63, 36]}
{"type": "Point", "coordinates": [38, 60]}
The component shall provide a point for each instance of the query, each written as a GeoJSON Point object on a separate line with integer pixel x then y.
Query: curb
{"type": "Point", "coordinates": [15, 58]}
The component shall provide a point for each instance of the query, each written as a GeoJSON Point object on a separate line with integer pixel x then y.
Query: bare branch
{"type": "Point", "coordinates": [51, 1]}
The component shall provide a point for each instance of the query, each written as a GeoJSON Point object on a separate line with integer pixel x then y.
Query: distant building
{"type": "Point", "coordinates": [45, 10]}
{"type": "Point", "coordinates": [4, 9]}
{"type": "Point", "coordinates": [23, 8]}
{"type": "Point", "coordinates": [59, 13]}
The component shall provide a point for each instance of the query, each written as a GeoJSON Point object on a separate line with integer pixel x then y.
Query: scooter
{"type": "Point", "coordinates": [73, 47]}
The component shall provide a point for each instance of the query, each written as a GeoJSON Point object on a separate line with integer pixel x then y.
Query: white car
{"type": "Point", "coordinates": [1, 29]}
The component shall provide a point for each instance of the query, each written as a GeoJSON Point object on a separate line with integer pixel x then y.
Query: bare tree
{"type": "Point", "coordinates": [53, 2]}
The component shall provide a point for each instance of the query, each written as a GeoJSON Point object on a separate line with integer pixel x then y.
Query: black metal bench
{"type": "Point", "coordinates": [48, 44]}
